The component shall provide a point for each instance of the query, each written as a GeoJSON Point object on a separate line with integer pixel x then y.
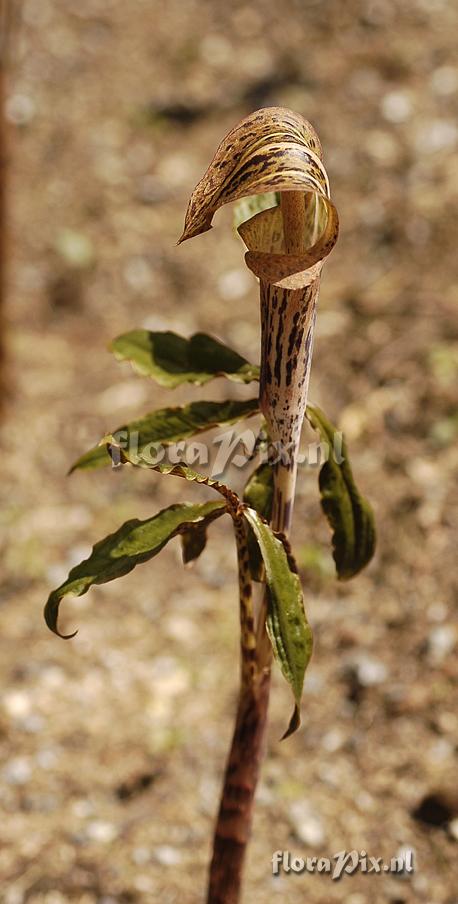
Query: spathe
{"type": "Point", "coordinates": [276, 150]}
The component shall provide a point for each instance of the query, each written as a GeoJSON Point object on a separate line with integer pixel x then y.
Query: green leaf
{"type": "Point", "coordinates": [135, 542]}
{"type": "Point", "coordinates": [349, 514]}
{"type": "Point", "coordinates": [258, 494]}
{"type": "Point", "coordinates": [167, 426]}
{"type": "Point", "coordinates": [287, 626]}
{"type": "Point", "coordinates": [193, 543]}
{"type": "Point", "coordinates": [194, 540]}
{"type": "Point", "coordinates": [171, 360]}
{"type": "Point", "coordinates": [246, 208]}
{"type": "Point", "coordinates": [259, 491]}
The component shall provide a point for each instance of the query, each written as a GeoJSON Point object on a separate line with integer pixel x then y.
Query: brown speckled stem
{"type": "Point", "coordinates": [287, 326]}
{"type": "Point", "coordinates": [235, 814]}
{"type": "Point", "coordinates": [287, 319]}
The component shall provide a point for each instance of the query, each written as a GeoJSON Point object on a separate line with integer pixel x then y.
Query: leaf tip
{"type": "Point", "coordinates": [294, 723]}
{"type": "Point", "coordinates": [66, 636]}
{"type": "Point", "coordinates": [51, 613]}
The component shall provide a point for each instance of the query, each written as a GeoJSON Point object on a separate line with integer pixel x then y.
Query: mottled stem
{"type": "Point", "coordinates": [235, 815]}
{"type": "Point", "coordinates": [3, 178]}
{"type": "Point", "coordinates": [236, 809]}
{"type": "Point", "coordinates": [287, 326]}
{"type": "Point", "coordinates": [247, 631]}
{"type": "Point", "coordinates": [288, 319]}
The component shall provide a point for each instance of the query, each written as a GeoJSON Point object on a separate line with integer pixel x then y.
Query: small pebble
{"type": "Point", "coordinates": [216, 50]}
{"type": "Point", "coordinates": [167, 855]}
{"type": "Point", "coordinates": [150, 190]}
{"type": "Point", "coordinates": [102, 832]}
{"type": "Point", "coordinates": [436, 135]}
{"type": "Point", "coordinates": [109, 168]}
{"type": "Point", "coordinates": [127, 394]}
{"type": "Point", "coordinates": [143, 884]}
{"type": "Point", "coordinates": [82, 808]}
{"type": "Point", "coordinates": [19, 109]}
{"type": "Point", "coordinates": [441, 641]}
{"type": "Point", "coordinates": [333, 740]}
{"type": "Point", "coordinates": [382, 146]}
{"type": "Point", "coordinates": [141, 855]}
{"type": "Point", "coordinates": [370, 671]}
{"type": "Point", "coordinates": [364, 801]}
{"type": "Point", "coordinates": [47, 758]}
{"type": "Point", "coordinates": [33, 723]}
{"type": "Point", "coordinates": [137, 273]}
{"type": "Point", "coordinates": [168, 677]}
{"type": "Point", "coordinates": [17, 704]}
{"type": "Point", "coordinates": [441, 750]}
{"type": "Point", "coordinates": [396, 106]}
{"type": "Point", "coordinates": [444, 80]}
{"type": "Point", "coordinates": [17, 771]}
{"type": "Point", "coordinates": [176, 169]}
{"type": "Point", "coordinates": [181, 629]}
{"type": "Point", "coordinates": [52, 676]}
{"type": "Point", "coordinates": [307, 825]}
{"type": "Point", "coordinates": [140, 156]}
{"type": "Point", "coordinates": [75, 248]}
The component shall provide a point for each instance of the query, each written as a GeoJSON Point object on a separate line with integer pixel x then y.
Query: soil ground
{"type": "Point", "coordinates": [113, 744]}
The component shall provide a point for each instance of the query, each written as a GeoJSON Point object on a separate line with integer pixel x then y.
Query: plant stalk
{"type": "Point", "coordinates": [273, 149]}
{"type": "Point", "coordinates": [287, 318]}
{"type": "Point", "coordinates": [287, 327]}
{"type": "Point", "coordinates": [235, 814]}
{"type": "Point", "coordinates": [3, 179]}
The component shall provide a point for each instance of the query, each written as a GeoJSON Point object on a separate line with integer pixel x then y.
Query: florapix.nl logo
{"type": "Point", "coordinates": [343, 863]}
{"type": "Point", "coordinates": [227, 449]}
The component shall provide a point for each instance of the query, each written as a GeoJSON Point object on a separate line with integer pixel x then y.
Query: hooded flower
{"type": "Point", "coordinates": [276, 150]}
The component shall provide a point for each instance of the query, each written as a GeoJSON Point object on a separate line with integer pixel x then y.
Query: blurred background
{"type": "Point", "coordinates": [112, 745]}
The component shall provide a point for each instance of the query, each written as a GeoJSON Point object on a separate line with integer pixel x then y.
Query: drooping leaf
{"type": "Point", "coordinates": [171, 360]}
{"type": "Point", "coordinates": [287, 626]}
{"type": "Point", "coordinates": [193, 540]}
{"type": "Point", "coordinates": [193, 543]}
{"type": "Point", "coordinates": [166, 426]}
{"type": "Point", "coordinates": [258, 494]}
{"type": "Point", "coordinates": [349, 514]}
{"type": "Point", "coordinates": [133, 543]}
